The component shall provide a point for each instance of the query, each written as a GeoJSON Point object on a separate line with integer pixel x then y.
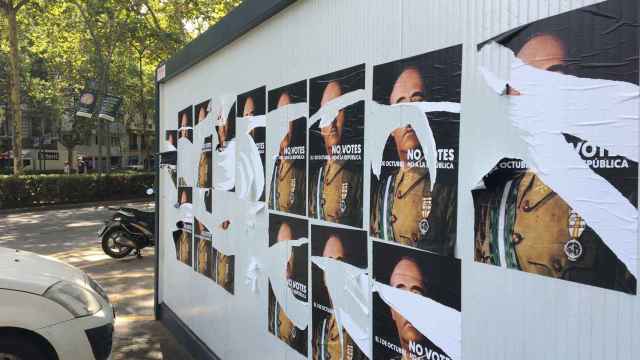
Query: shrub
{"type": "Point", "coordinates": [38, 190]}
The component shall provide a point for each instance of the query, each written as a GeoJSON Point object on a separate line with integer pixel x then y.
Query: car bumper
{"type": "Point", "coordinates": [85, 338]}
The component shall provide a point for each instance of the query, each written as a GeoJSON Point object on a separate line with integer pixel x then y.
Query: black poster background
{"type": "Point", "coordinates": [600, 42]}
{"type": "Point", "coordinates": [259, 98]}
{"type": "Point", "coordinates": [440, 71]}
{"type": "Point", "coordinates": [442, 279]}
{"type": "Point", "coordinates": [354, 243]}
{"type": "Point", "coordinates": [296, 138]}
{"type": "Point", "coordinates": [349, 79]}
{"type": "Point", "coordinates": [299, 273]}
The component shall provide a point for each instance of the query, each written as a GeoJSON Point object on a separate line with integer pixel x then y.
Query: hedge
{"type": "Point", "coordinates": [40, 190]}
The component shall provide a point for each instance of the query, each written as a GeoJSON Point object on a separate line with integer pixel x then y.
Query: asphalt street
{"type": "Point", "coordinates": [70, 235]}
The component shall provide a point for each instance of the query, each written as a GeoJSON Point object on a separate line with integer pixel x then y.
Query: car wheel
{"type": "Point", "coordinates": [112, 248]}
{"type": "Point", "coordinates": [15, 347]}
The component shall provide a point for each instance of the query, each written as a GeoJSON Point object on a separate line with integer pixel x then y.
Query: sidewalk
{"type": "Point", "coordinates": [95, 204]}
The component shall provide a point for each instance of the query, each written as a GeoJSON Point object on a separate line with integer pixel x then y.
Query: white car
{"type": "Point", "coordinates": [51, 311]}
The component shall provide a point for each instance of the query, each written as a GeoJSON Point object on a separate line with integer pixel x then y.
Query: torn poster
{"type": "Point", "coordinates": [203, 262]}
{"type": "Point", "coordinates": [183, 240]}
{"type": "Point", "coordinates": [341, 317]}
{"type": "Point", "coordinates": [414, 174]}
{"type": "Point", "coordinates": [223, 116]}
{"type": "Point", "coordinates": [287, 148]}
{"type": "Point", "coordinates": [416, 304]}
{"type": "Point", "coordinates": [286, 265]}
{"type": "Point", "coordinates": [251, 135]}
{"type": "Point", "coordinates": [336, 146]}
{"type": "Point", "coordinates": [566, 206]}
{"type": "Point", "coordinates": [186, 158]}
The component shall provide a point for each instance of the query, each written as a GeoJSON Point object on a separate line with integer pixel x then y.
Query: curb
{"type": "Point", "coordinates": [73, 206]}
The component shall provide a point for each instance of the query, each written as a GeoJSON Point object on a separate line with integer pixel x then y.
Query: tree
{"type": "Point", "coordinates": [10, 9]}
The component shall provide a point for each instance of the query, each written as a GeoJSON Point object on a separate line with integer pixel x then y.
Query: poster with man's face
{"type": "Point", "coordinates": [336, 146]}
{"type": "Point", "coordinates": [415, 167]}
{"type": "Point", "coordinates": [251, 109]}
{"type": "Point", "coordinates": [205, 165]}
{"type": "Point", "coordinates": [201, 111]}
{"type": "Point", "coordinates": [572, 220]}
{"type": "Point", "coordinates": [171, 137]}
{"type": "Point", "coordinates": [287, 126]}
{"type": "Point", "coordinates": [416, 304]}
{"type": "Point", "coordinates": [183, 241]}
{"type": "Point", "coordinates": [330, 337]}
{"type": "Point", "coordinates": [185, 124]}
{"type": "Point", "coordinates": [293, 274]}
{"type": "Point", "coordinates": [203, 259]}
{"type": "Point", "coordinates": [223, 115]}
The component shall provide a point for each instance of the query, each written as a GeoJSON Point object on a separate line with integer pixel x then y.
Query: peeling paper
{"type": "Point", "coordinates": [329, 111]}
{"type": "Point", "coordinates": [439, 323]}
{"type": "Point", "coordinates": [349, 291]}
{"type": "Point", "coordinates": [275, 266]}
{"type": "Point", "coordinates": [250, 172]}
{"type": "Point", "coordinates": [186, 213]}
{"type": "Point", "coordinates": [388, 118]}
{"type": "Point", "coordinates": [224, 173]}
{"type": "Point", "coordinates": [187, 161]}
{"type": "Point", "coordinates": [603, 112]}
{"type": "Point", "coordinates": [251, 277]}
{"type": "Point", "coordinates": [278, 121]}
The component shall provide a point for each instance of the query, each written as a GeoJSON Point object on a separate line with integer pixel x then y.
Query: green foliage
{"type": "Point", "coordinates": [39, 190]}
{"type": "Point", "coordinates": [67, 44]}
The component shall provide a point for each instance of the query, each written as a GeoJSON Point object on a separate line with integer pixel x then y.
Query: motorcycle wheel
{"type": "Point", "coordinates": [111, 248]}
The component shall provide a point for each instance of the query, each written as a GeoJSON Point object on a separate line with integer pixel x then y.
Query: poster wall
{"type": "Point", "coordinates": [328, 189]}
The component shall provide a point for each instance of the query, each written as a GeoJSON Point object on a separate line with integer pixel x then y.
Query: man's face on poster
{"type": "Point", "coordinates": [285, 233]}
{"type": "Point", "coordinates": [544, 52]}
{"type": "Point", "coordinates": [249, 107]}
{"type": "Point", "coordinates": [201, 114]}
{"type": "Point", "coordinates": [332, 134]}
{"type": "Point", "coordinates": [284, 100]}
{"type": "Point", "coordinates": [407, 276]}
{"type": "Point", "coordinates": [249, 110]}
{"type": "Point", "coordinates": [171, 139]}
{"type": "Point", "coordinates": [184, 122]}
{"type": "Point", "coordinates": [409, 87]}
{"type": "Point", "coordinates": [184, 198]}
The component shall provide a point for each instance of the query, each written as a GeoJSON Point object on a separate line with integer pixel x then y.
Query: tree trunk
{"type": "Point", "coordinates": [14, 81]}
{"type": "Point", "coordinates": [145, 139]}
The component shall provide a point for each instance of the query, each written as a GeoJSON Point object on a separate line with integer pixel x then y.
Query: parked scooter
{"type": "Point", "coordinates": [128, 230]}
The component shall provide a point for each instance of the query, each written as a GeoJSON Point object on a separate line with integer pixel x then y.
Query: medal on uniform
{"type": "Point", "coordinates": [292, 190]}
{"type": "Point", "coordinates": [423, 225]}
{"type": "Point", "coordinates": [344, 192]}
{"type": "Point", "coordinates": [573, 248]}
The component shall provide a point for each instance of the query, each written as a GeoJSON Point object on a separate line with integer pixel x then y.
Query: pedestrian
{"type": "Point", "coordinates": [67, 168]}
{"type": "Point", "coordinates": [82, 166]}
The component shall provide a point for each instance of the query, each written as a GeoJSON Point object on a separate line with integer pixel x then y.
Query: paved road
{"type": "Point", "coordinates": [70, 235]}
